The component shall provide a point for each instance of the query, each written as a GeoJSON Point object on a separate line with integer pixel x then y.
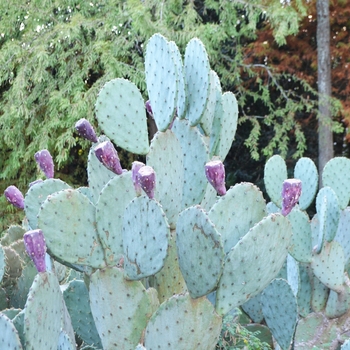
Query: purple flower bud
{"type": "Point", "coordinates": [291, 192]}
{"type": "Point", "coordinates": [149, 108]}
{"type": "Point", "coordinates": [147, 180]}
{"type": "Point", "coordinates": [108, 156]}
{"type": "Point", "coordinates": [215, 172]}
{"type": "Point", "coordinates": [136, 166]}
{"type": "Point", "coordinates": [35, 245]}
{"type": "Point", "coordinates": [45, 162]}
{"type": "Point", "coordinates": [14, 196]}
{"type": "Point", "coordinates": [86, 130]}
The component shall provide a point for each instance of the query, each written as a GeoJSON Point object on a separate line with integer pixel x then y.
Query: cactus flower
{"type": "Point", "coordinates": [147, 180]}
{"type": "Point", "coordinates": [85, 129]}
{"type": "Point", "coordinates": [149, 108]}
{"type": "Point", "coordinates": [14, 196]}
{"type": "Point", "coordinates": [291, 192]}
{"type": "Point", "coordinates": [35, 245]}
{"type": "Point", "coordinates": [108, 156]}
{"type": "Point", "coordinates": [136, 166]}
{"type": "Point", "coordinates": [215, 173]}
{"type": "Point", "coordinates": [45, 162]}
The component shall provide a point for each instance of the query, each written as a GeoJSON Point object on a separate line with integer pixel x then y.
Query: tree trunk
{"type": "Point", "coordinates": [325, 135]}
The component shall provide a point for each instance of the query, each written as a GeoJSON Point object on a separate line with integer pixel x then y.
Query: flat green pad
{"type": "Point", "coordinates": [301, 245]}
{"type": "Point", "coordinates": [328, 266]}
{"type": "Point", "coordinates": [114, 198]}
{"type": "Point", "coordinates": [161, 79]}
{"type": "Point", "coordinates": [65, 343]}
{"type": "Point", "coordinates": [165, 157]}
{"type": "Point", "coordinates": [343, 233]}
{"type": "Point", "coordinates": [195, 156]}
{"type": "Point", "coordinates": [67, 219]}
{"type": "Point", "coordinates": [145, 238]}
{"type": "Point", "coordinates": [235, 213]}
{"type": "Point", "coordinates": [253, 262]}
{"type": "Point", "coordinates": [37, 194]}
{"type": "Point", "coordinates": [306, 171]}
{"type": "Point", "coordinates": [274, 174]}
{"type": "Point", "coordinates": [228, 124]}
{"type": "Point", "coordinates": [43, 315]}
{"type": "Point", "coordinates": [335, 175]}
{"type": "Point", "coordinates": [2, 263]}
{"type": "Point", "coordinates": [9, 339]}
{"type": "Point", "coordinates": [179, 324]}
{"type": "Point", "coordinates": [280, 310]}
{"type": "Point", "coordinates": [76, 297]}
{"type": "Point", "coordinates": [200, 251]}
{"type": "Point", "coordinates": [121, 114]}
{"type": "Point", "coordinates": [197, 69]}
{"type": "Point", "coordinates": [120, 308]}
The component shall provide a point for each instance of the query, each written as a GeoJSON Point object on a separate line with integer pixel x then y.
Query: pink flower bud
{"type": "Point", "coordinates": [291, 192]}
{"type": "Point", "coordinates": [215, 172]}
{"type": "Point", "coordinates": [14, 196]}
{"type": "Point", "coordinates": [86, 130]}
{"type": "Point", "coordinates": [45, 162]}
{"type": "Point", "coordinates": [108, 156]}
{"type": "Point", "coordinates": [136, 166]}
{"type": "Point", "coordinates": [35, 245]}
{"type": "Point", "coordinates": [147, 180]}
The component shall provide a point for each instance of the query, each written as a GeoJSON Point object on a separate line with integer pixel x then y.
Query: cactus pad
{"type": "Point", "coordinates": [121, 114]}
{"type": "Point", "coordinates": [9, 339]}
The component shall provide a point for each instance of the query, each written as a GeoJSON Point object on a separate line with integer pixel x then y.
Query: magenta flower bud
{"type": "Point", "coordinates": [215, 172]}
{"type": "Point", "coordinates": [86, 130]}
{"type": "Point", "coordinates": [291, 192]}
{"type": "Point", "coordinates": [45, 162]}
{"type": "Point", "coordinates": [149, 108]}
{"type": "Point", "coordinates": [14, 196]}
{"type": "Point", "coordinates": [147, 180]}
{"type": "Point", "coordinates": [35, 245]}
{"type": "Point", "coordinates": [136, 166]}
{"type": "Point", "coordinates": [108, 156]}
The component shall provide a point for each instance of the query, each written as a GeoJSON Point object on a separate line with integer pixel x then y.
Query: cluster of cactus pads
{"type": "Point", "coordinates": [154, 257]}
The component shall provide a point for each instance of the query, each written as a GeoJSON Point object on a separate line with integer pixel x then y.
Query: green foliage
{"type": "Point", "coordinates": [235, 336]}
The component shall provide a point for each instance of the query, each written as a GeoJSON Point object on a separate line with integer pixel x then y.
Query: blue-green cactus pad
{"type": "Point", "coordinates": [67, 219]}
{"type": "Point", "coordinates": [76, 297]}
{"type": "Point", "coordinates": [274, 174]}
{"type": "Point", "coordinates": [120, 308]}
{"type": "Point", "coordinates": [343, 233]}
{"type": "Point", "coordinates": [166, 158]}
{"type": "Point", "coordinates": [121, 114]}
{"type": "Point", "coordinates": [37, 194]}
{"type": "Point", "coordinates": [209, 111]}
{"type": "Point", "coordinates": [18, 322]}
{"type": "Point", "coordinates": [200, 251]}
{"type": "Point", "coordinates": [65, 343]}
{"type": "Point", "coordinates": [346, 345]}
{"type": "Point", "coordinates": [293, 276]}
{"type": "Point", "coordinates": [272, 208]}
{"type": "Point", "coordinates": [114, 198]}
{"type": "Point", "coordinates": [236, 212]}
{"type": "Point", "coordinates": [328, 212]}
{"type": "Point", "coordinates": [183, 323]}
{"type": "Point", "coordinates": [338, 304]}
{"type": "Point", "coordinates": [195, 156]}
{"type": "Point", "coordinates": [161, 79]}
{"type": "Point", "coordinates": [328, 266]}
{"type": "Point", "coordinates": [98, 174]}
{"type": "Point", "coordinates": [306, 171]}
{"type": "Point", "coordinates": [319, 294]}
{"type": "Point", "coordinates": [280, 310]}
{"type": "Point", "coordinates": [305, 290]}
{"type": "Point", "coordinates": [210, 198]}
{"type": "Point", "coordinates": [228, 124]}
{"type": "Point", "coordinates": [301, 245]}
{"type": "Point", "coordinates": [2, 263]}
{"type": "Point", "coordinates": [181, 83]}
{"type": "Point", "coordinates": [145, 238]}
{"type": "Point", "coordinates": [43, 315]}
{"type": "Point", "coordinates": [9, 339]}
{"type": "Point", "coordinates": [217, 124]}
{"type": "Point", "coordinates": [253, 309]}
{"type": "Point", "coordinates": [336, 175]}
{"type": "Point", "coordinates": [253, 262]}
{"type": "Point", "coordinates": [197, 69]}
